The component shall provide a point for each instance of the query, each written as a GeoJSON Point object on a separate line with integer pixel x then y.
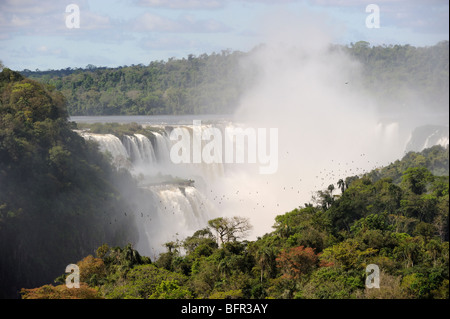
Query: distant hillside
{"type": "Point", "coordinates": [435, 159]}
{"type": "Point", "coordinates": [203, 84]}
{"type": "Point", "coordinates": [399, 76]}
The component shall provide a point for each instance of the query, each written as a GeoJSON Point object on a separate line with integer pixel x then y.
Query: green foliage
{"type": "Point", "coordinates": [417, 179]}
{"type": "Point", "coordinates": [214, 83]}
{"type": "Point", "coordinates": [58, 193]}
{"type": "Point", "coordinates": [147, 281]}
{"type": "Point", "coordinates": [413, 264]}
{"type": "Point", "coordinates": [230, 294]}
{"type": "Point", "coordinates": [204, 84]}
{"type": "Point", "coordinates": [314, 252]}
{"type": "Point", "coordinates": [392, 72]}
{"type": "Point", "coordinates": [395, 217]}
{"type": "Point", "coordinates": [332, 283]}
{"type": "Point", "coordinates": [347, 255]}
{"type": "Point", "coordinates": [372, 222]}
{"type": "Point", "coordinates": [230, 229]}
{"type": "Point", "coordinates": [435, 159]}
{"type": "Point", "coordinates": [169, 289]}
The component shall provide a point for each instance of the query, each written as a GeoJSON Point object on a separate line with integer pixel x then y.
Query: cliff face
{"type": "Point", "coordinates": [58, 194]}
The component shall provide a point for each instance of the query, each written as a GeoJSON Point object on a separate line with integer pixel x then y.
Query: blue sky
{"type": "Point", "coordinates": [34, 35]}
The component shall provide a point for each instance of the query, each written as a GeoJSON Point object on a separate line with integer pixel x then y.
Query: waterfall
{"type": "Point", "coordinates": [426, 136]}
{"type": "Point", "coordinates": [184, 206]}
{"type": "Point", "coordinates": [169, 205]}
{"type": "Point", "coordinates": [178, 212]}
{"type": "Point", "coordinates": [162, 146]}
{"type": "Point", "coordinates": [139, 148]}
{"type": "Point", "coordinates": [436, 138]}
{"type": "Point", "coordinates": [111, 144]}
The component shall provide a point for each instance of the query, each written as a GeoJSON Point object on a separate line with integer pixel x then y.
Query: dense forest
{"type": "Point", "coordinates": [59, 196]}
{"type": "Point", "coordinates": [204, 84]}
{"type": "Point", "coordinates": [61, 199]}
{"type": "Point", "coordinates": [395, 217]}
{"type": "Point", "coordinates": [396, 75]}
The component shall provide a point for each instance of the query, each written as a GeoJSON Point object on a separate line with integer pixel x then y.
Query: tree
{"type": "Point", "coordinates": [230, 229]}
{"type": "Point", "coordinates": [61, 292]}
{"type": "Point", "coordinates": [201, 243]}
{"type": "Point", "coordinates": [265, 256]}
{"type": "Point", "coordinates": [297, 261]}
{"type": "Point", "coordinates": [172, 246]}
{"type": "Point", "coordinates": [331, 189]}
{"type": "Point", "coordinates": [346, 254]}
{"type": "Point", "coordinates": [91, 269]}
{"type": "Point", "coordinates": [341, 185]}
{"type": "Point", "coordinates": [409, 251]}
{"type": "Point", "coordinates": [325, 199]}
{"type": "Point", "coordinates": [416, 179]}
{"type": "Point", "coordinates": [170, 289]}
{"type": "Point", "coordinates": [390, 288]}
{"type": "Point", "coordinates": [55, 176]}
{"type": "Point", "coordinates": [148, 281]}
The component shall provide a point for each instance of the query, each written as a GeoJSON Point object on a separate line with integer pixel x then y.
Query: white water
{"type": "Point", "coordinates": [167, 210]}
{"type": "Point", "coordinates": [140, 149]}
{"type": "Point", "coordinates": [162, 148]}
{"type": "Point", "coordinates": [170, 211]}
{"type": "Point", "coordinates": [111, 144]}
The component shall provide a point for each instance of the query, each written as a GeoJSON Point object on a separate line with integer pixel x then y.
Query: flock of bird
{"type": "Point", "coordinates": [256, 198]}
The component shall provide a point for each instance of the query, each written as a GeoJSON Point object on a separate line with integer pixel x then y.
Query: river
{"type": "Point", "coordinates": [152, 119]}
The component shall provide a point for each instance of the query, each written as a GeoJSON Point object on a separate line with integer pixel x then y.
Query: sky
{"type": "Point", "coordinates": [43, 34]}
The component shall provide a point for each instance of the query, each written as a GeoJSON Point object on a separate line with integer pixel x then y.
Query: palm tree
{"type": "Point", "coordinates": [341, 185]}
{"type": "Point", "coordinates": [331, 189]}
{"type": "Point", "coordinates": [264, 257]}
{"type": "Point", "coordinates": [225, 266]}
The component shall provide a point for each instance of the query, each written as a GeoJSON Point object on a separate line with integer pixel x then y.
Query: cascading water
{"type": "Point", "coordinates": [426, 136]}
{"type": "Point", "coordinates": [327, 125]}
{"type": "Point", "coordinates": [167, 212]}
{"type": "Point", "coordinates": [111, 144]}
{"type": "Point", "coordinates": [139, 148]}
{"type": "Point", "coordinates": [169, 203]}
{"type": "Point", "coordinates": [169, 206]}
{"type": "Point", "coordinates": [162, 146]}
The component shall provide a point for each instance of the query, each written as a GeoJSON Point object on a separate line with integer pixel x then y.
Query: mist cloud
{"type": "Point", "coordinates": [329, 126]}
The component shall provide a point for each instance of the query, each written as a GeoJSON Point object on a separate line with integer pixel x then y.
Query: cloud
{"type": "Point", "coordinates": [204, 4]}
{"type": "Point", "coordinates": [42, 48]}
{"type": "Point", "coordinates": [343, 3]}
{"type": "Point", "coordinates": [183, 24]}
{"type": "Point", "coordinates": [417, 15]}
{"type": "Point", "coordinates": [29, 7]}
{"type": "Point", "coordinates": [166, 43]}
{"type": "Point", "coordinates": [45, 50]}
{"type": "Point", "coordinates": [183, 4]}
{"type": "Point", "coordinates": [92, 21]}
{"type": "Point", "coordinates": [45, 17]}
{"type": "Point", "coordinates": [153, 22]}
